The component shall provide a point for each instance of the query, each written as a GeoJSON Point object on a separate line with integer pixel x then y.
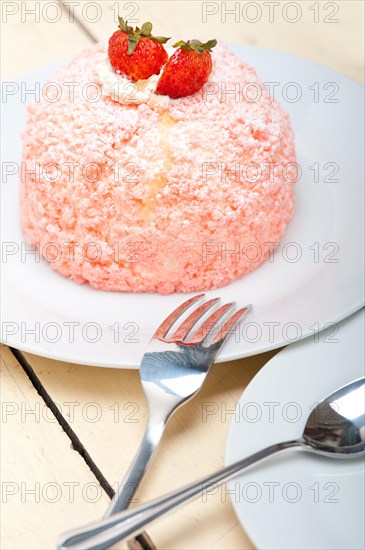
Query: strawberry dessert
{"type": "Point", "coordinates": [156, 167]}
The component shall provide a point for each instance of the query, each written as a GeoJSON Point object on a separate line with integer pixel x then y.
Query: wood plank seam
{"type": "Point", "coordinates": [78, 21]}
{"type": "Point", "coordinates": [75, 441]}
{"type": "Point", "coordinates": [142, 541]}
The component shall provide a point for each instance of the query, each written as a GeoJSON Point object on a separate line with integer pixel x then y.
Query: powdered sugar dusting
{"type": "Point", "coordinates": [162, 198]}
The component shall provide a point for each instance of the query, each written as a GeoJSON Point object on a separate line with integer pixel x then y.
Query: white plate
{"type": "Point", "coordinates": [316, 502]}
{"type": "Point", "coordinates": [290, 299]}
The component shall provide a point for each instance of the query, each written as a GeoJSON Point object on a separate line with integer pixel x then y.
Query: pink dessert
{"type": "Point", "coordinates": [166, 195]}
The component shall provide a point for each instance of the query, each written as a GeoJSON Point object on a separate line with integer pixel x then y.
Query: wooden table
{"type": "Point", "coordinates": [69, 432]}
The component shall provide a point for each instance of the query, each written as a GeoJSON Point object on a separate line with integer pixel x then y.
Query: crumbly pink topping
{"type": "Point", "coordinates": [165, 195]}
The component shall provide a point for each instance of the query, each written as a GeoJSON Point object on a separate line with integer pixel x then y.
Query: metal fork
{"type": "Point", "coordinates": [172, 371]}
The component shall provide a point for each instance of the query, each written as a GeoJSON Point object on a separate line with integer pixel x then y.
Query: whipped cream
{"type": "Point", "coordinates": [123, 90]}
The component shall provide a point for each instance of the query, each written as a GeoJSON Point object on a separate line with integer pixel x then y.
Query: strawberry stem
{"type": "Point", "coordinates": [196, 45]}
{"type": "Point", "coordinates": [134, 35]}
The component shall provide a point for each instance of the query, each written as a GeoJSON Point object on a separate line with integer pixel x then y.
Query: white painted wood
{"type": "Point", "coordinates": [29, 41]}
{"type": "Point", "coordinates": [46, 486]}
{"type": "Point", "coordinates": [109, 415]}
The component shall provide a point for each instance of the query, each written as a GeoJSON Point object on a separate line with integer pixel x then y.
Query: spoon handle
{"type": "Point", "coordinates": [105, 533]}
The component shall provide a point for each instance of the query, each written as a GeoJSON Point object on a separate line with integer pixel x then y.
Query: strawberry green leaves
{"type": "Point", "coordinates": [134, 35]}
{"type": "Point", "coordinates": [196, 46]}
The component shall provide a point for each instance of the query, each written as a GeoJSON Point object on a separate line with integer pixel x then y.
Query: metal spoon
{"type": "Point", "coordinates": [335, 428]}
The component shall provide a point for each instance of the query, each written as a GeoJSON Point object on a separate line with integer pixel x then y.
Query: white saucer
{"type": "Point", "coordinates": [315, 502]}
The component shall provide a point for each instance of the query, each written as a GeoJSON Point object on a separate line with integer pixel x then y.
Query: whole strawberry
{"type": "Point", "coordinates": [187, 70]}
{"type": "Point", "coordinates": [135, 53]}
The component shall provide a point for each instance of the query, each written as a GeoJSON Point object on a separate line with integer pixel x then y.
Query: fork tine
{"type": "Point", "coordinates": [228, 326]}
{"type": "Point", "coordinates": [174, 316]}
{"type": "Point", "coordinates": [207, 328]}
{"type": "Point", "coordinates": [189, 323]}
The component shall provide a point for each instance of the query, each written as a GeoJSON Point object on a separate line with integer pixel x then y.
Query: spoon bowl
{"type": "Point", "coordinates": [336, 426]}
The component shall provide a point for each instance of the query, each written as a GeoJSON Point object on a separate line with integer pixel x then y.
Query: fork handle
{"type": "Point", "coordinates": [124, 495]}
{"type": "Point", "coordinates": [107, 532]}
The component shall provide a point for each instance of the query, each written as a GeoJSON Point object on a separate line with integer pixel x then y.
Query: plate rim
{"type": "Point", "coordinates": [220, 359]}
{"type": "Point", "coordinates": [233, 355]}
